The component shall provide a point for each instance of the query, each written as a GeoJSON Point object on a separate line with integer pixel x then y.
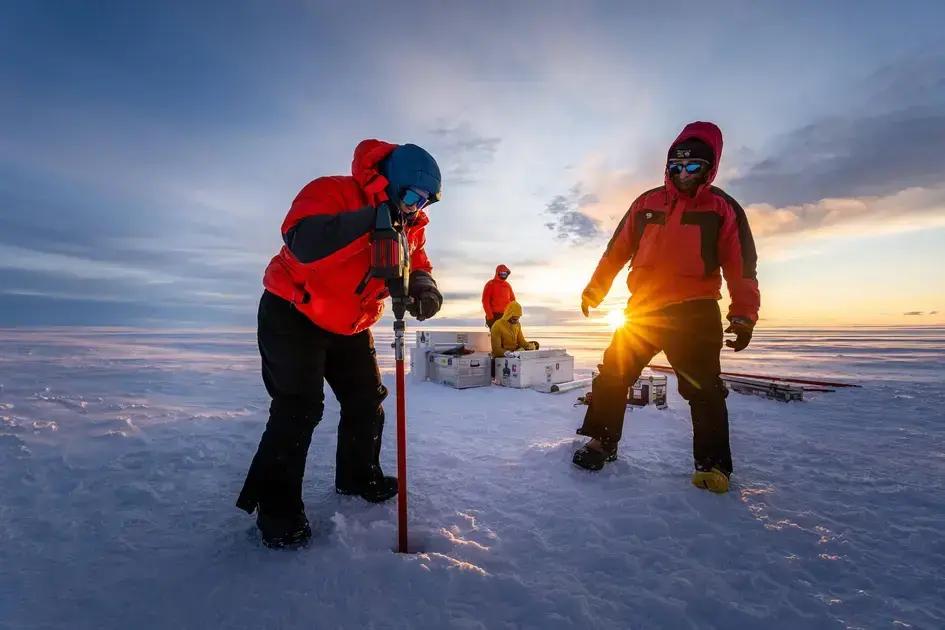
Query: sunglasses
{"type": "Point", "coordinates": [691, 167]}
{"type": "Point", "coordinates": [415, 198]}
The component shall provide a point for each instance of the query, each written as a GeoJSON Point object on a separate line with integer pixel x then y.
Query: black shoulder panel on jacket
{"type": "Point", "coordinates": [321, 235]}
{"type": "Point", "coordinates": [613, 239]}
{"type": "Point", "coordinates": [627, 217]}
{"type": "Point", "coordinates": [747, 241]}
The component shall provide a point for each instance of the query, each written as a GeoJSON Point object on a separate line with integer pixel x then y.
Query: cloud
{"type": "Point", "coordinates": [457, 296]}
{"type": "Point", "coordinates": [463, 261]}
{"type": "Point", "coordinates": [462, 152]}
{"type": "Point", "coordinates": [913, 313]}
{"type": "Point", "coordinates": [894, 142]}
{"type": "Point", "coordinates": [591, 209]}
{"type": "Point", "coordinates": [903, 211]}
{"type": "Point", "coordinates": [588, 219]}
{"type": "Point", "coordinates": [875, 170]}
{"type": "Point", "coordinates": [536, 315]}
{"type": "Point", "coordinates": [568, 220]}
{"type": "Point", "coordinates": [32, 309]}
{"type": "Point", "coordinates": [126, 225]}
{"type": "Point", "coordinates": [917, 78]}
{"type": "Point", "coordinates": [547, 315]}
{"type": "Point", "coordinates": [838, 157]}
{"type": "Point", "coordinates": [161, 176]}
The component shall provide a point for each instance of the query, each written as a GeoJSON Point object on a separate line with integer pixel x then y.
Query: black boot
{"type": "Point", "coordinates": [377, 488]}
{"type": "Point", "coordinates": [590, 458]}
{"type": "Point", "coordinates": [283, 531]}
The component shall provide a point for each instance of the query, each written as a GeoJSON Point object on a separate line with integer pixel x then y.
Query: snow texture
{"type": "Point", "coordinates": [122, 452]}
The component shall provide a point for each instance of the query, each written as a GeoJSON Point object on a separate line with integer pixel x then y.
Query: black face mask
{"type": "Point", "coordinates": [690, 185]}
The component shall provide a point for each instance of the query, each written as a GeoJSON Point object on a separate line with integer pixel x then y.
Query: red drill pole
{"type": "Point", "coordinates": [390, 260]}
{"type": "Point", "coordinates": [401, 438]}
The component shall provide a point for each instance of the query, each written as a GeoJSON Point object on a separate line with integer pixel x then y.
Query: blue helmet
{"type": "Point", "coordinates": [409, 165]}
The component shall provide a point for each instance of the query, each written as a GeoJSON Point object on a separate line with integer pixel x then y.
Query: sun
{"type": "Point", "coordinates": [615, 319]}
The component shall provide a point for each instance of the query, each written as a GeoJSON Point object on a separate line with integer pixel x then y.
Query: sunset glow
{"type": "Point", "coordinates": [615, 319]}
{"type": "Point", "coordinates": [546, 124]}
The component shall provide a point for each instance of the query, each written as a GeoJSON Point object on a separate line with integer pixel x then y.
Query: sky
{"type": "Point", "coordinates": [150, 151]}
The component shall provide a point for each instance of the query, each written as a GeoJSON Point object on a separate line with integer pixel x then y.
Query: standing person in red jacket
{"type": "Point", "coordinates": [496, 295]}
{"type": "Point", "coordinates": [314, 326]}
{"type": "Point", "coordinates": [677, 238]}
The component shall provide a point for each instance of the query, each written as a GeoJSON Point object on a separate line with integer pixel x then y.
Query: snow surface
{"type": "Point", "coordinates": [122, 451]}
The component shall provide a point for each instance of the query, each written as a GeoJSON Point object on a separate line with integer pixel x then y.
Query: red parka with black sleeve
{"type": "Point", "coordinates": [678, 246]}
{"type": "Point", "coordinates": [324, 268]}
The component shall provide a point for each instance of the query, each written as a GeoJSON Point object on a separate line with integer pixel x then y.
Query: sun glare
{"type": "Point", "coordinates": [615, 319]}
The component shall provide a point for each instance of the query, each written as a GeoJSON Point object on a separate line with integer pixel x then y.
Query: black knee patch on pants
{"type": "Point", "coordinates": [362, 403]}
{"type": "Point", "coordinates": [359, 439]}
{"type": "Point", "coordinates": [708, 391]}
{"type": "Point", "coordinates": [293, 415]}
{"type": "Point", "coordinates": [710, 438]}
{"type": "Point", "coordinates": [604, 417]}
{"type": "Point", "coordinates": [274, 480]}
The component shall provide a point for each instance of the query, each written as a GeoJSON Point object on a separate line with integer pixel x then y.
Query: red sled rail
{"type": "Point", "coordinates": [803, 381]}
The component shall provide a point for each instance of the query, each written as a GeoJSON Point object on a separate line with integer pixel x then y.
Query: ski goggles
{"type": "Point", "coordinates": [415, 199]}
{"type": "Point", "coordinates": [503, 274]}
{"type": "Point", "coordinates": [690, 166]}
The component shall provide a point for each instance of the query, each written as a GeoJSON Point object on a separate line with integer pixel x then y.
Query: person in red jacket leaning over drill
{"type": "Point", "coordinates": [314, 326]}
{"type": "Point", "coordinates": [677, 238]}
{"type": "Point", "coordinates": [496, 295]}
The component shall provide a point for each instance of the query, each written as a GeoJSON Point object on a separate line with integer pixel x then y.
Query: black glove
{"type": "Point", "coordinates": [489, 323]}
{"type": "Point", "coordinates": [427, 299]}
{"type": "Point", "coordinates": [742, 329]}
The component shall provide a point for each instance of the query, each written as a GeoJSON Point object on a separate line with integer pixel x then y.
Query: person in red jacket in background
{"type": "Point", "coordinates": [677, 238]}
{"type": "Point", "coordinates": [496, 295]}
{"type": "Point", "coordinates": [314, 322]}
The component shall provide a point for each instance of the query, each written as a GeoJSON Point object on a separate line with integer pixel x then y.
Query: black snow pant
{"type": "Point", "coordinates": [297, 358]}
{"type": "Point", "coordinates": [690, 333]}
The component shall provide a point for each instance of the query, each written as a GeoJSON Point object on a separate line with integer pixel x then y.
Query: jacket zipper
{"type": "Point", "coordinates": [364, 282]}
{"type": "Point", "coordinates": [667, 224]}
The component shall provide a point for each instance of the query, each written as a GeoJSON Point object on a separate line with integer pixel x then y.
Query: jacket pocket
{"type": "Point", "coordinates": [375, 290]}
{"type": "Point", "coordinates": [648, 226]}
{"type": "Point", "coordinates": [699, 243]}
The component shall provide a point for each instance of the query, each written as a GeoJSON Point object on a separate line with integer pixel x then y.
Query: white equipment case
{"type": "Point", "coordinates": [534, 368]}
{"type": "Point", "coordinates": [460, 371]}
{"type": "Point", "coordinates": [429, 342]}
{"type": "Point", "coordinates": [474, 340]}
{"type": "Point", "coordinates": [420, 364]}
{"type": "Point", "coordinates": [649, 389]}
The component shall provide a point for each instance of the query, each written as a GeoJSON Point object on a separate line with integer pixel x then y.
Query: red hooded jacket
{"type": "Point", "coordinates": [497, 294]}
{"type": "Point", "coordinates": [331, 283]}
{"type": "Point", "coordinates": [677, 245]}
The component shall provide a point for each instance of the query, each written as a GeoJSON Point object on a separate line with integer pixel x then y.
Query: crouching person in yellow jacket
{"type": "Point", "coordinates": [507, 332]}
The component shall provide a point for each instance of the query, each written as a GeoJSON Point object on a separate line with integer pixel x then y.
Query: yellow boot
{"type": "Point", "coordinates": [714, 480]}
